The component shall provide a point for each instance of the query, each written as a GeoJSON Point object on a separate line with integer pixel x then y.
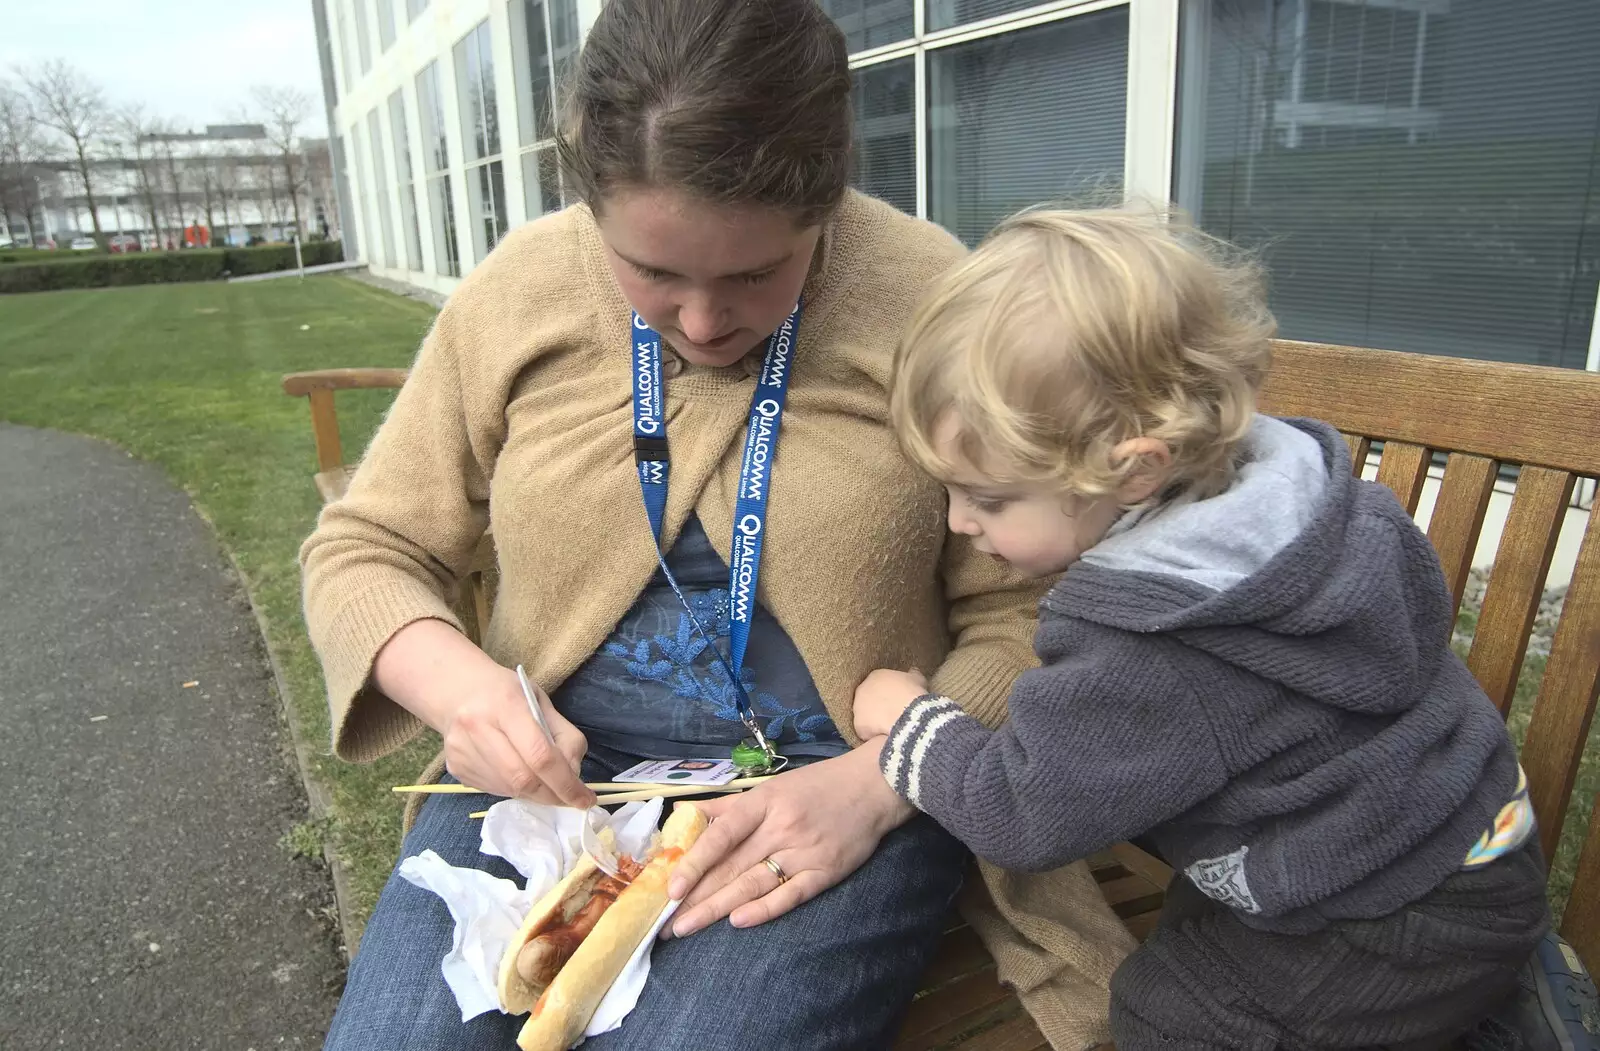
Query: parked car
{"type": "Point", "coordinates": [46, 244]}
{"type": "Point", "coordinates": [123, 243]}
{"type": "Point", "coordinates": [83, 244]}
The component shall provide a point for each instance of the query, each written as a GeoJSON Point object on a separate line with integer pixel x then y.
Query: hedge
{"type": "Point", "coordinates": [146, 268]}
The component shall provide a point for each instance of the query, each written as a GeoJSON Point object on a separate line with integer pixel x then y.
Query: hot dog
{"type": "Point", "coordinates": [554, 941]}
{"type": "Point", "coordinates": [578, 937]}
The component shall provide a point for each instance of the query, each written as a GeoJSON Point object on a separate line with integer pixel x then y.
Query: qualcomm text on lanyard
{"type": "Point", "coordinates": [749, 509]}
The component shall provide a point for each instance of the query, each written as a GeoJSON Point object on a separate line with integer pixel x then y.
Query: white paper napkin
{"type": "Point", "coordinates": [541, 843]}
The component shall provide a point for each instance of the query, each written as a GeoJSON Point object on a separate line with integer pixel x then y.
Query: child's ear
{"type": "Point", "coordinates": [1154, 467]}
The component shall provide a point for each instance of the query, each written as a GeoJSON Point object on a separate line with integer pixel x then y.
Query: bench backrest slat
{"type": "Point", "coordinates": [1458, 517]}
{"type": "Point", "coordinates": [1546, 423]}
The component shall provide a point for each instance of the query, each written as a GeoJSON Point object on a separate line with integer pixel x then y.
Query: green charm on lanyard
{"type": "Point", "coordinates": [752, 759]}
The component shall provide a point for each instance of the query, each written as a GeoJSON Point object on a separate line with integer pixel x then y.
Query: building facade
{"type": "Point", "coordinates": [223, 185]}
{"type": "Point", "coordinates": [1420, 175]}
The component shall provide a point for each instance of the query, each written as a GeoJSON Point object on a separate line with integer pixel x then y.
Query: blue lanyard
{"type": "Point", "coordinates": [755, 476]}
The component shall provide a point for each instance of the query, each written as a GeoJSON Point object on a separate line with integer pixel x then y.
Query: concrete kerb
{"type": "Point", "coordinates": [310, 271]}
{"type": "Point", "coordinates": [316, 796]}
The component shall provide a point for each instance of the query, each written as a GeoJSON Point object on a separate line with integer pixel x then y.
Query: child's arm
{"type": "Point", "coordinates": [1090, 756]}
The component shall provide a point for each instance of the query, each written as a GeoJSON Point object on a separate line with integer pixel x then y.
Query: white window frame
{"type": "Point", "coordinates": [1151, 88]}
{"type": "Point", "coordinates": [1151, 120]}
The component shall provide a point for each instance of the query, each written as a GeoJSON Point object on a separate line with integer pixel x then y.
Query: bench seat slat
{"type": "Point", "coordinates": [938, 1018]}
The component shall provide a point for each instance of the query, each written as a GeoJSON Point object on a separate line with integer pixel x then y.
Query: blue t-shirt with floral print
{"type": "Point", "coordinates": [654, 690]}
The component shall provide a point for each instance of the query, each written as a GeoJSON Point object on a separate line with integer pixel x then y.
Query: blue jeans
{"type": "Point", "coordinates": [837, 972]}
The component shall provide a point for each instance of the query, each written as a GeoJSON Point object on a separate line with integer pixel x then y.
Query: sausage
{"type": "Point", "coordinates": [544, 955]}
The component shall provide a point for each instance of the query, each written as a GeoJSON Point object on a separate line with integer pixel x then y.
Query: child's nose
{"type": "Point", "coordinates": [962, 522]}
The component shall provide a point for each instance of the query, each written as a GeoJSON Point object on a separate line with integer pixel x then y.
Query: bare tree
{"type": "Point", "coordinates": [319, 184]}
{"type": "Point", "coordinates": [272, 201]}
{"type": "Point", "coordinates": [135, 129]}
{"type": "Point", "coordinates": [283, 112]}
{"type": "Point", "coordinates": [21, 151]}
{"type": "Point", "coordinates": [175, 217]}
{"type": "Point", "coordinates": [73, 106]}
{"type": "Point", "coordinates": [227, 181]}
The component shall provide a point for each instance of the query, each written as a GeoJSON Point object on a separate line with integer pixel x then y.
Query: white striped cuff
{"type": "Point", "coordinates": [909, 739]}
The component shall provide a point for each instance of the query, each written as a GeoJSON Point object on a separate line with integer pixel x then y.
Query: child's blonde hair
{"type": "Point", "coordinates": [1068, 332]}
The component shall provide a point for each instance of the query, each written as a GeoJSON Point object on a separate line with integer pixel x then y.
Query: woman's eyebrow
{"type": "Point", "coordinates": [761, 269]}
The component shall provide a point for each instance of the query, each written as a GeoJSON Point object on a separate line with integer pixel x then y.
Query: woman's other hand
{"type": "Point", "coordinates": [817, 825]}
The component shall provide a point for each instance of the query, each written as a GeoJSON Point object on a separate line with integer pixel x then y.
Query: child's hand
{"type": "Point", "coordinates": [883, 696]}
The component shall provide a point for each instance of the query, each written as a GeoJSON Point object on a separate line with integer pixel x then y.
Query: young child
{"type": "Point", "coordinates": [1246, 660]}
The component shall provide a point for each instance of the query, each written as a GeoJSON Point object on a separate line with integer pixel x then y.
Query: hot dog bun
{"type": "Point", "coordinates": [562, 1012]}
{"type": "Point", "coordinates": [517, 994]}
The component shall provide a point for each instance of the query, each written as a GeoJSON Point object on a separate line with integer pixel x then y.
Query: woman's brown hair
{"type": "Point", "coordinates": [731, 101]}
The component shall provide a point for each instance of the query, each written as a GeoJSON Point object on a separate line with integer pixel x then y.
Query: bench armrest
{"type": "Point", "coordinates": [300, 384]}
{"type": "Point", "coordinates": [319, 386]}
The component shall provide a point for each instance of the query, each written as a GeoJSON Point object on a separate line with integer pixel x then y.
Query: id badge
{"type": "Point", "coordinates": [681, 772]}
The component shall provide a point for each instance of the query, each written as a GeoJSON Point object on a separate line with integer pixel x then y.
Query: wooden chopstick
{"type": "Point", "coordinates": [643, 790]}
{"type": "Point", "coordinates": [667, 792]}
{"type": "Point", "coordinates": [597, 786]}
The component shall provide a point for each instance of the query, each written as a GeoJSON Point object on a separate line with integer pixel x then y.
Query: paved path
{"type": "Point", "coordinates": [145, 903]}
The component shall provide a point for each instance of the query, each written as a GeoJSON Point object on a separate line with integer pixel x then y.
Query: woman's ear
{"type": "Point", "coordinates": [1153, 468]}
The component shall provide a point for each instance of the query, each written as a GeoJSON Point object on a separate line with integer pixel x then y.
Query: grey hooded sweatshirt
{"type": "Point", "coordinates": [1261, 682]}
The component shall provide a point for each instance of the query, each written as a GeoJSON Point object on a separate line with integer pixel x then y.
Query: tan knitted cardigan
{"type": "Point", "coordinates": [518, 413]}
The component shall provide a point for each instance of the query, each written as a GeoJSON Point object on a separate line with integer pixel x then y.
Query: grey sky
{"type": "Point", "coordinates": [191, 60]}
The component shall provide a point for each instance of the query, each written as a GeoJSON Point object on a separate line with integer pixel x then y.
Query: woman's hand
{"type": "Point", "coordinates": [492, 743]}
{"type": "Point", "coordinates": [818, 824]}
{"type": "Point", "coordinates": [490, 739]}
{"type": "Point", "coordinates": [883, 697]}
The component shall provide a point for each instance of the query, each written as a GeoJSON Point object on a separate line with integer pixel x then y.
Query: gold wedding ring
{"type": "Point", "coordinates": [776, 869]}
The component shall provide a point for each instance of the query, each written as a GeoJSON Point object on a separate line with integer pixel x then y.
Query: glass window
{"type": "Point", "coordinates": [564, 37]}
{"type": "Point", "coordinates": [531, 67]}
{"type": "Point", "coordinates": [486, 194]}
{"type": "Point", "coordinates": [385, 24]}
{"type": "Point", "coordinates": [363, 34]}
{"type": "Point", "coordinates": [358, 154]}
{"type": "Point", "coordinates": [886, 133]}
{"type": "Point", "coordinates": [1416, 175]}
{"type": "Point", "coordinates": [436, 162]}
{"type": "Point", "coordinates": [1026, 117]}
{"type": "Point", "coordinates": [406, 178]}
{"type": "Point", "coordinates": [442, 207]}
{"type": "Point", "coordinates": [415, 8]}
{"type": "Point", "coordinates": [544, 37]}
{"type": "Point", "coordinates": [544, 44]}
{"type": "Point", "coordinates": [942, 14]}
{"type": "Point", "coordinates": [541, 182]}
{"type": "Point", "coordinates": [430, 108]}
{"type": "Point", "coordinates": [872, 23]}
{"type": "Point", "coordinates": [480, 126]}
{"type": "Point", "coordinates": [344, 45]}
{"type": "Point", "coordinates": [380, 189]}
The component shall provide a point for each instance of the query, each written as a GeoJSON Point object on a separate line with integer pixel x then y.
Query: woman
{"type": "Point", "coordinates": [710, 141]}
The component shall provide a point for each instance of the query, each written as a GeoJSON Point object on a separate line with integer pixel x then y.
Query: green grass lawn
{"type": "Point", "coordinates": [187, 376]}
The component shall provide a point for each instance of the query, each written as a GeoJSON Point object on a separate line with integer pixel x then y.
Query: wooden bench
{"type": "Point", "coordinates": [333, 473]}
{"type": "Point", "coordinates": [1481, 417]}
